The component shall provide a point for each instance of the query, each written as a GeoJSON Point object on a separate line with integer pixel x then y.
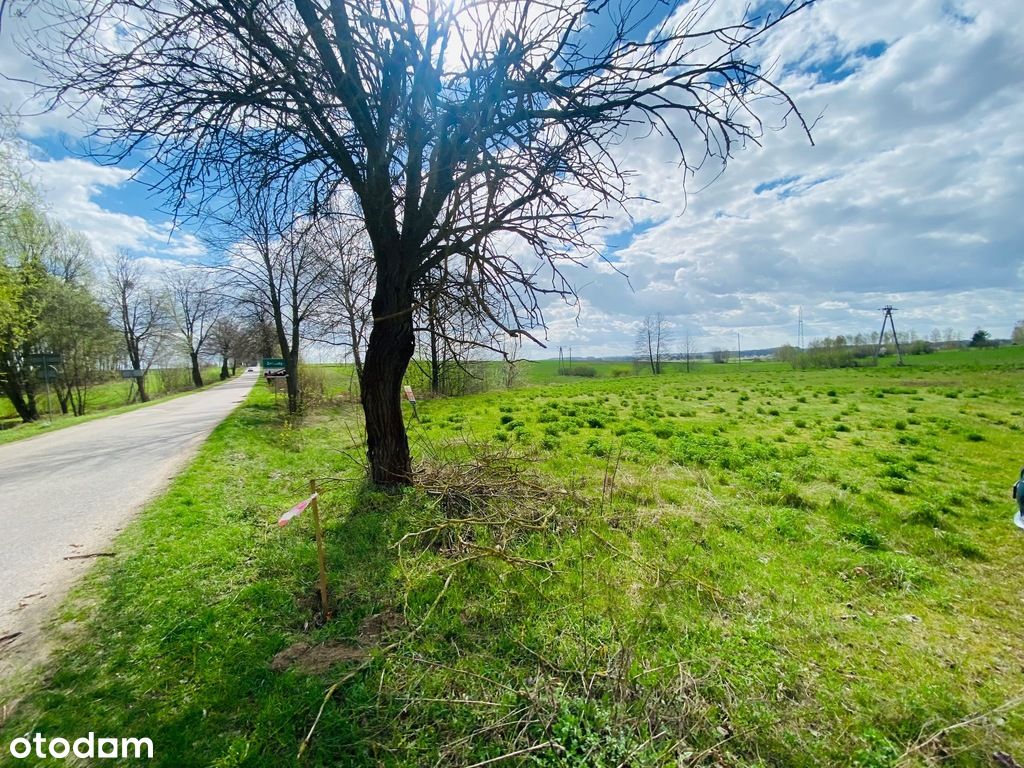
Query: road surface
{"type": "Point", "coordinates": [67, 493]}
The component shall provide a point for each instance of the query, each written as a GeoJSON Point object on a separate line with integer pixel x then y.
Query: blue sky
{"type": "Point", "coordinates": [911, 195]}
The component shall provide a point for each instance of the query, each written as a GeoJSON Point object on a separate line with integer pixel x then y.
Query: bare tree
{"type": "Point", "coordinates": [228, 338]}
{"type": "Point", "coordinates": [689, 350]}
{"type": "Point", "coordinates": [259, 335]}
{"type": "Point", "coordinates": [344, 311]}
{"type": "Point", "coordinates": [283, 275]}
{"type": "Point", "coordinates": [652, 341]}
{"type": "Point", "coordinates": [472, 135]}
{"type": "Point", "coordinates": [69, 258]}
{"type": "Point", "coordinates": [451, 328]}
{"type": "Point", "coordinates": [195, 306]}
{"type": "Point", "coordinates": [139, 315]}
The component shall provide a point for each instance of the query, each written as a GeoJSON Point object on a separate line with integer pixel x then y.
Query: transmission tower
{"type": "Point", "coordinates": [887, 316]}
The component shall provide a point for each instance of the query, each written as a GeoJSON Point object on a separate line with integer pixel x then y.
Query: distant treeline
{"type": "Point", "coordinates": [859, 350]}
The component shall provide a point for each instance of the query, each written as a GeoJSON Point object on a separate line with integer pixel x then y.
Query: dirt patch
{"type": "Point", "coordinates": [315, 659]}
{"type": "Point", "coordinates": [930, 383]}
{"type": "Point", "coordinates": [318, 659]}
{"type": "Point", "coordinates": [373, 628]}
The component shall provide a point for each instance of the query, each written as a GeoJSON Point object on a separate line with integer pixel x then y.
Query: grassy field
{"type": "Point", "coordinates": [103, 399]}
{"type": "Point", "coordinates": [741, 566]}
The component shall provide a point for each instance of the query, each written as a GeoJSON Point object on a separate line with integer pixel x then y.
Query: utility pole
{"type": "Point", "coordinates": [739, 354]}
{"type": "Point", "coordinates": [887, 311]}
{"type": "Point", "coordinates": [800, 328]}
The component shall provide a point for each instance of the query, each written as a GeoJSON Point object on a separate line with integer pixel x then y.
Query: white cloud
{"type": "Point", "coordinates": [911, 195]}
{"type": "Point", "coordinates": [71, 186]}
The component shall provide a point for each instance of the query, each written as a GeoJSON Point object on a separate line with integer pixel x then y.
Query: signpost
{"type": "Point", "coordinates": [131, 373]}
{"type": "Point", "coordinates": [275, 373]}
{"type": "Point", "coordinates": [313, 502]}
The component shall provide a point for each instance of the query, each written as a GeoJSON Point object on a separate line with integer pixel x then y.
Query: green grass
{"type": "Point", "coordinates": [747, 566]}
{"type": "Point", "coordinates": [106, 399]}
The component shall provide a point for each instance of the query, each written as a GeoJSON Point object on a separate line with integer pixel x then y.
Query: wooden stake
{"type": "Point", "coordinates": [319, 548]}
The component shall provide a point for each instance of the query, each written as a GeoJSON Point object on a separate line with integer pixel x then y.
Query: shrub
{"type": "Point", "coordinates": [312, 385]}
{"type": "Point", "coordinates": [174, 380]}
{"type": "Point", "coordinates": [587, 371]}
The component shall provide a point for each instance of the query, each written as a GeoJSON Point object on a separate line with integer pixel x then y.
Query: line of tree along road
{"type": "Point", "coordinates": [69, 321]}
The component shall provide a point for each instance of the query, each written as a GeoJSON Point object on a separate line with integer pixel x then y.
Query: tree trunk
{"type": "Point", "coordinates": [388, 353]}
{"type": "Point", "coordinates": [197, 376]}
{"type": "Point", "coordinates": [292, 368]}
{"type": "Point", "coordinates": [78, 400]}
{"type": "Point", "coordinates": [63, 397]}
{"type": "Point", "coordinates": [18, 386]}
{"type": "Point", "coordinates": [135, 358]}
{"type": "Point", "coordinates": [357, 359]}
{"type": "Point", "coordinates": [289, 351]}
{"type": "Point", "coordinates": [25, 407]}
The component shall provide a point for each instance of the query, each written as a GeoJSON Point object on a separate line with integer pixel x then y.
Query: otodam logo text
{"type": "Point", "coordinates": [86, 747]}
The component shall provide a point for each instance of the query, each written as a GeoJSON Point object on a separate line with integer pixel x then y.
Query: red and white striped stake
{"type": "Point", "coordinates": [291, 514]}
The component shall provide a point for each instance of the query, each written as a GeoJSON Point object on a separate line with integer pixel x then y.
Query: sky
{"type": "Point", "coordinates": [910, 195]}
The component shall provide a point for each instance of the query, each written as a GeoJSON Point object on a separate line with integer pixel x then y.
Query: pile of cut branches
{"type": "Point", "coordinates": [485, 503]}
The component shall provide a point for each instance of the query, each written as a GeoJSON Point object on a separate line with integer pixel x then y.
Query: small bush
{"type": "Point", "coordinates": [586, 371]}
{"type": "Point", "coordinates": [312, 385]}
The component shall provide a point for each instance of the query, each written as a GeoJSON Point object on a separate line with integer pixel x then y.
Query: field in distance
{"type": "Point", "coordinates": [745, 565]}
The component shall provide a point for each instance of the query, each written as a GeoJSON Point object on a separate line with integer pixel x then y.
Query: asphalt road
{"type": "Point", "coordinates": [68, 493]}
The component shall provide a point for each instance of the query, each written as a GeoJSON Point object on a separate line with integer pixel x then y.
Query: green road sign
{"type": "Point", "coordinates": [46, 374]}
{"type": "Point", "coordinates": [273, 362]}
